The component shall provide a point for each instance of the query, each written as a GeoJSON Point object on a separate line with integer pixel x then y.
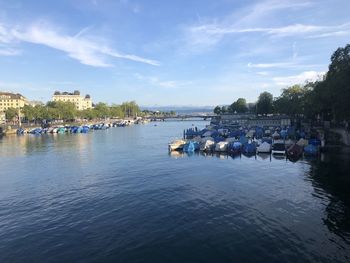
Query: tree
{"type": "Point", "coordinates": [336, 91]}
{"type": "Point", "coordinates": [130, 109]}
{"type": "Point", "coordinates": [28, 112]}
{"type": "Point", "coordinates": [224, 109]}
{"type": "Point", "coordinates": [10, 114]}
{"type": "Point", "coordinates": [265, 103]}
{"type": "Point", "coordinates": [116, 111]}
{"type": "Point", "coordinates": [291, 101]}
{"type": "Point", "coordinates": [239, 106]}
{"type": "Point", "coordinates": [102, 110]}
{"type": "Point", "coordinates": [217, 110]}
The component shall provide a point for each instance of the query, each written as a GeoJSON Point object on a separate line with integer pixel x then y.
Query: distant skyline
{"type": "Point", "coordinates": [197, 52]}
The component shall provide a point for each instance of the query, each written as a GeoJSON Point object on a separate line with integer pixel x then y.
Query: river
{"type": "Point", "coordinates": [118, 196]}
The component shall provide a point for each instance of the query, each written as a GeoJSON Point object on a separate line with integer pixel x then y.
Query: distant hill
{"type": "Point", "coordinates": [180, 109]}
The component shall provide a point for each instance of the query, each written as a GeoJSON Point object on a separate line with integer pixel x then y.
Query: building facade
{"type": "Point", "coordinates": [11, 100]}
{"type": "Point", "coordinates": [80, 102]}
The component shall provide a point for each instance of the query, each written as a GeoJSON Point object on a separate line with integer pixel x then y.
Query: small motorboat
{"type": "Point", "coordinates": [191, 146]}
{"type": "Point", "coordinates": [265, 147]}
{"type": "Point", "coordinates": [221, 146]}
{"type": "Point", "coordinates": [235, 148]}
{"type": "Point", "coordinates": [278, 148]}
{"type": "Point", "coordinates": [176, 145]}
{"type": "Point", "coordinates": [208, 144]}
{"type": "Point", "coordinates": [249, 148]}
{"type": "Point", "coordinates": [295, 151]}
{"type": "Point", "coordinates": [311, 149]}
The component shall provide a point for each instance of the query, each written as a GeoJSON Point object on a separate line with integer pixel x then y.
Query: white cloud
{"type": "Point", "coordinates": [306, 76]}
{"type": "Point", "coordinates": [249, 20]}
{"type": "Point", "coordinates": [208, 31]}
{"type": "Point", "coordinates": [285, 65]}
{"type": "Point", "coordinates": [155, 81]}
{"type": "Point", "coordinates": [9, 52]}
{"type": "Point", "coordinates": [271, 65]}
{"type": "Point", "coordinates": [83, 49]}
{"type": "Point", "coordinates": [262, 73]}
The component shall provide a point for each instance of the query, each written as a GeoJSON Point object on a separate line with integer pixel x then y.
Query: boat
{"type": "Point", "coordinates": [20, 131]}
{"type": "Point", "coordinates": [278, 148]}
{"type": "Point", "coordinates": [295, 151]}
{"type": "Point", "coordinates": [208, 144]}
{"type": "Point", "coordinates": [235, 147]}
{"type": "Point", "coordinates": [249, 148]}
{"type": "Point", "coordinates": [61, 130]}
{"type": "Point", "coordinates": [275, 135]}
{"type": "Point", "coordinates": [311, 149]}
{"type": "Point", "coordinates": [176, 145]}
{"type": "Point", "coordinates": [221, 146]}
{"type": "Point", "coordinates": [191, 146]}
{"type": "Point", "coordinates": [265, 147]}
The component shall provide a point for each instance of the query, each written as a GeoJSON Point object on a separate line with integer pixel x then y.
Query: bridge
{"type": "Point", "coordinates": [183, 117]}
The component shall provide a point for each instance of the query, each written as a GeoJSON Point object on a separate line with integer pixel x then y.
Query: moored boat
{"type": "Point", "coordinates": [295, 151]}
{"type": "Point", "coordinates": [191, 146]}
{"type": "Point", "coordinates": [265, 147]}
{"type": "Point", "coordinates": [278, 148]}
{"type": "Point", "coordinates": [176, 145]}
{"type": "Point", "coordinates": [221, 146]}
{"type": "Point", "coordinates": [311, 149]}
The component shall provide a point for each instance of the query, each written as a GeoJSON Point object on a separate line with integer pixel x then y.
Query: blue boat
{"type": "Point", "coordinates": [36, 131]}
{"type": "Point", "coordinates": [85, 129]}
{"type": "Point", "coordinates": [249, 148]}
{"type": "Point", "coordinates": [235, 147]}
{"type": "Point", "coordinates": [20, 131]}
{"type": "Point", "coordinates": [315, 142]}
{"type": "Point", "coordinates": [310, 149]}
{"type": "Point", "coordinates": [191, 146]}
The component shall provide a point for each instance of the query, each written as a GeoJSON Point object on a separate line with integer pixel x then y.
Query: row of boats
{"type": "Point", "coordinates": [75, 128]}
{"type": "Point", "coordinates": [248, 143]}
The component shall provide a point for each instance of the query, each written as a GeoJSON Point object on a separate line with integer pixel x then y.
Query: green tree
{"type": "Point", "coordinates": [217, 110]}
{"type": "Point", "coordinates": [265, 103]}
{"type": "Point", "coordinates": [239, 106]}
{"type": "Point", "coordinates": [102, 110]}
{"type": "Point", "coordinates": [336, 89]}
{"type": "Point", "coordinates": [291, 101]}
{"type": "Point", "coordinates": [11, 113]}
{"type": "Point", "coordinates": [116, 111]}
{"type": "Point", "coordinates": [224, 110]}
{"type": "Point", "coordinates": [28, 112]}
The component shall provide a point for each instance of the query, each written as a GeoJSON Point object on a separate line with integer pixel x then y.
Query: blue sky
{"type": "Point", "coordinates": [185, 52]}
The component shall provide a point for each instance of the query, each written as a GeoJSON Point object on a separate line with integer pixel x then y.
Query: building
{"type": "Point", "coordinates": [236, 120]}
{"type": "Point", "coordinates": [80, 102]}
{"type": "Point", "coordinates": [11, 100]}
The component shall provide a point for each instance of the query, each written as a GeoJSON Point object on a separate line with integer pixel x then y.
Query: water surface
{"type": "Point", "coordinates": [118, 196]}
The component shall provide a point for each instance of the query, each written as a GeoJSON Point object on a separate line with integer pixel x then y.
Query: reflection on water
{"type": "Point", "coordinates": [119, 196]}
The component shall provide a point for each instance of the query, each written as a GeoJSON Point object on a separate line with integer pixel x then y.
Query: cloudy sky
{"type": "Point", "coordinates": [185, 52]}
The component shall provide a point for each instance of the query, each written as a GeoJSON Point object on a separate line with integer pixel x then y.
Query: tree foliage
{"type": "Point", "coordinates": [10, 114]}
{"type": "Point", "coordinates": [265, 103]}
{"type": "Point", "coordinates": [239, 106]}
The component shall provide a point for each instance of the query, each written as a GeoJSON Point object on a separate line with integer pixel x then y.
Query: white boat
{"type": "Point", "coordinates": [176, 145]}
{"type": "Point", "coordinates": [206, 145]}
{"type": "Point", "coordinates": [221, 147]}
{"type": "Point", "coordinates": [265, 147]}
